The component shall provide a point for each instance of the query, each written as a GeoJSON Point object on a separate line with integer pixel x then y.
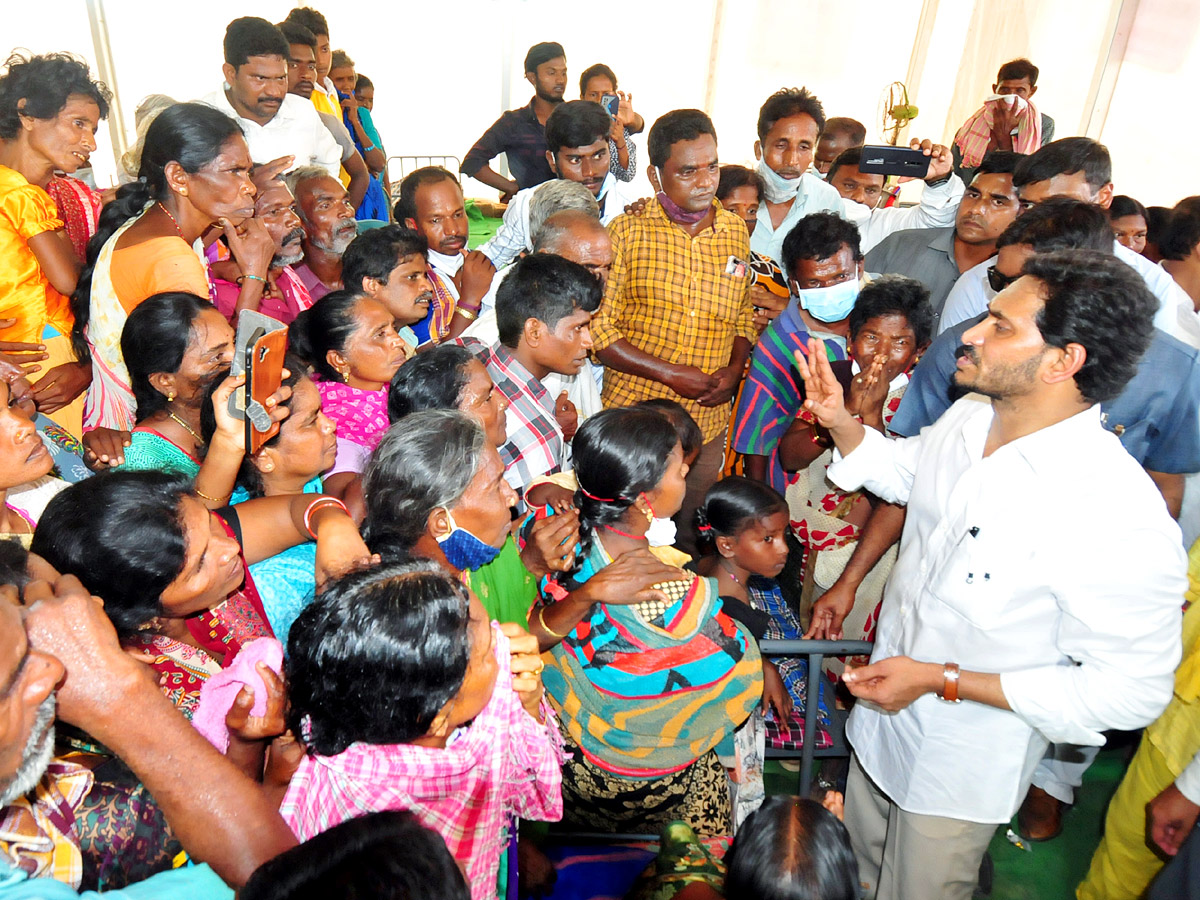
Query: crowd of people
{"type": "Point", "coordinates": [525, 510]}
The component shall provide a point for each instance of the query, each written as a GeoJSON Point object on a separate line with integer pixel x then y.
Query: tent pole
{"type": "Point", "coordinates": [107, 71]}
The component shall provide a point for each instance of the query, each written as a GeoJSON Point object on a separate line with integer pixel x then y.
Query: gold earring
{"type": "Point", "coordinates": [171, 397]}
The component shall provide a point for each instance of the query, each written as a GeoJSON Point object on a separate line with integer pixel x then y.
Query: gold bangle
{"type": "Point", "coordinates": [546, 628]}
{"type": "Point", "coordinates": [465, 313]}
{"type": "Point", "coordinates": [203, 496]}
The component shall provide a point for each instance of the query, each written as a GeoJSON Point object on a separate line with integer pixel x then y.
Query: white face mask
{"type": "Point", "coordinates": [448, 264]}
{"type": "Point", "coordinates": [858, 213]}
{"type": "Point", "coordinates": [776, 188]}
{"type": "Point", "coordinates": [661, 533]}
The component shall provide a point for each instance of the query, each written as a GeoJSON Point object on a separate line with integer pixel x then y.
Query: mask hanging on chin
{"type": "Point", "coordinates": [674, 211]}
{"type": "Point", "coordinates": [447, 264]}
{"type": "Point", "coordinates": [829, 304]}
{"type": "Point", "coordinates": [463, 550]}
{"type": "Point", "coordinates": [776, 188]}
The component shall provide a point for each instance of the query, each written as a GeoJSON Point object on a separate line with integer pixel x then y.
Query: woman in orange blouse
{"type": "Point", "coordinates": [50, 109]}
{"type": "Point", "coordinates": [195, 172]}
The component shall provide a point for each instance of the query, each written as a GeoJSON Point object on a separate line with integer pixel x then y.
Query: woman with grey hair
{"type": "Point", "coordinates": [435, 489]}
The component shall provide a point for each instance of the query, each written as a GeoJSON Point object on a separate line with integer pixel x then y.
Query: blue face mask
{"type": "Point", "coordinates": [829, 304]}
{"type": "Point", "coordinates": [463, 550]}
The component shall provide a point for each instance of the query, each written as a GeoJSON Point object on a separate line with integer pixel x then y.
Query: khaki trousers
{"type": "Point", "coordinates": [903, 855]}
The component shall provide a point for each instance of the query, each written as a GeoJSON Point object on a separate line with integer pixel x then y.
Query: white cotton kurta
{"type": "Point", "coordinates": [1053, 562]}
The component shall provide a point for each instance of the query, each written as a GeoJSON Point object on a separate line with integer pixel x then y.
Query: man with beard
{"type": "Point", "coordinates": [60, 654]}
{"type": "Point", "coordinates": [937, 256]}
{"type": "Point", "coordinates": [1059, 638]}
{"type": "Point", "coordinates": [255, 94]}
{"type": "Point", "coordinates": [676, 321]}
{"type": "Point", "coordinates": [389, 264]}
{"type": "Point", "coordinates": [431, 203]}
{"type": "Point", "coordinates": [329, 226]}
{"type": "Point", "coordinates": [520, 134]}
{"type": "Point", "coordinates": [284, 295]}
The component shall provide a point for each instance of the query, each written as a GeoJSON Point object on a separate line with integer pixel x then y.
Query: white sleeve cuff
{"type": "Point", "coordinates": [1188, 781]}
{"type": "Point", "coordinates": [1026, 692]}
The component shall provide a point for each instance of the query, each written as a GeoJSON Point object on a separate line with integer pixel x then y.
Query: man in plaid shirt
{"type": "Point", "coordinates": [677, 320]}
{"type": "Point", "coordinates": [543, 312]}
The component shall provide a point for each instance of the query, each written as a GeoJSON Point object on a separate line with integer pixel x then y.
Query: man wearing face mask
{"type": "Point", "coordinates": [822, 254]}
{"type": "Point", "coordinates": [677, 321]}
{"type": "Point", "coordinates": [789, 124]}
{"type": "Point", "coordinates": [861, 191]}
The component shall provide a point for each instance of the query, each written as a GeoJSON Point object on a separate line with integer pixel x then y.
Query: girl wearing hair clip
{"type": "Point", "coordinates": [648, 673]}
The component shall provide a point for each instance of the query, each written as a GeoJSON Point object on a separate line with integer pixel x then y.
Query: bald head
{"type": "Point", "coordinates": [579, 237]}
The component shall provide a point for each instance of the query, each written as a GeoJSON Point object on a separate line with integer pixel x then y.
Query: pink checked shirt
{"type": "Point", "coordinates": [504, 764]}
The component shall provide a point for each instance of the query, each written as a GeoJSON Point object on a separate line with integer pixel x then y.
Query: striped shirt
{"type": "Point", "coordinates": [673, 296]}
{"type": "Point", "coordinates": [774, 392]}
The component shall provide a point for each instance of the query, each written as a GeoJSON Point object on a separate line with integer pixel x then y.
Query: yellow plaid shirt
{"type": "Point", "coordinates": [669, 295]}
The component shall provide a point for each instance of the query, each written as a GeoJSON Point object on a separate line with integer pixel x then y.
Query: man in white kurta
{"type": "Point", "coordinates": [1038, 585]}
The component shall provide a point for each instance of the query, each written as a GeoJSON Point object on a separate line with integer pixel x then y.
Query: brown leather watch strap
{"type": "Point", "coordinates": [949, 682]}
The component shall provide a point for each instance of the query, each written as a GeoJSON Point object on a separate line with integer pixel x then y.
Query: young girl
{"type": "Point", "coordinates": [408, 698]}
{"type": "Point", "coordinates": [746, 521]}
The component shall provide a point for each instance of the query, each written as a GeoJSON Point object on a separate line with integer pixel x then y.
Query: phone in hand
{"type": "Point", "coordinates": [260, 346]}
{"type": "Point", "coordinates": [611, 103]}
{"type": "Point", "coordinates": [886, 160]}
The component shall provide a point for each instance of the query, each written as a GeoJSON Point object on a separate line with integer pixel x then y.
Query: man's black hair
{"type": "Point", "coordinates": [853, 129]}
{"type": "Point", "coordinates": [543, 53]}
{"type": "Point", "coordinates": [310, 19]}
{"type": "Point", "coordinates": [251, 36]}
{"type": "Point", "coordinates": [296, 33]}
{"type": "Point", "coordinates": [820, 235]}
{"type": "Point", "coordinates": [788, 102]}
{"type": "Point", "coordinates": [894, 295]}
{"type": "Point", "coordinates": [673, 127]}
{"type": "Point", "coordinates": [406, 205]}
{"type": "Point", "coordinates": [1016, 69]}
{"type": "Point", "coordinates": [576, 123]}
{"type": "Point", "coordinates": [1095, 300]}
{"type": "Point", "coordinates": [594, 70]}
{"type": "Point", "coordinates": [851, 156]}
{"type": "Point", "coordinates": [1066, 157]}
{"type": "Point", "coordinates": [734, 177]}
{"type": "Point", "coordinates": [999, 162]}
{"type": "Point", "coordinates": [1183, 230]}
{"type": "Point", "coordinates": [543, 286]}
{"type": "Point", "coordinates": [1061, 223]}
{"type": "Point", "coordinates": [374, 253]}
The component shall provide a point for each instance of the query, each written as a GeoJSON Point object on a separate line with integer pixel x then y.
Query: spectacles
{"type": "Point", "coordinates": [998, 280]}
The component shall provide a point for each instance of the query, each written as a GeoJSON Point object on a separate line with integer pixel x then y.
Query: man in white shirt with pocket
{"type": "Point", "coordinates": [1037, 555]}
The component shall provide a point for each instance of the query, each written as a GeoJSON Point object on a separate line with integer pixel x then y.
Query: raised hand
{"type": "Point", "coordinates": [822, 392]}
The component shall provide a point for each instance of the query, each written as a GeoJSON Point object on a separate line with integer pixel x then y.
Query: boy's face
{"type": "Point", "coordinates": [564, 349]}
{"type": "Point", "coordinates": [408, 293]}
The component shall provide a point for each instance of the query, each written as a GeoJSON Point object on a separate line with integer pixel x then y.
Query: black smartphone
{"type": "Point", "coordinates": [885, 160]}
{"type": "Point", "coordinates": [610, 102]}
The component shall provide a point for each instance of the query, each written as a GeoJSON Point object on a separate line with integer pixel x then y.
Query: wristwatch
{"type": "Point", "coordinates": [950, 675]}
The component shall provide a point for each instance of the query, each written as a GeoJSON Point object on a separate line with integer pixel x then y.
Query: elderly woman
{"type": "Point", "coordinates": [195, 172]}
{"type": "Point", "coordinates": [435, 489]}
{"type": "Point", "coordinates": [649, 684]}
